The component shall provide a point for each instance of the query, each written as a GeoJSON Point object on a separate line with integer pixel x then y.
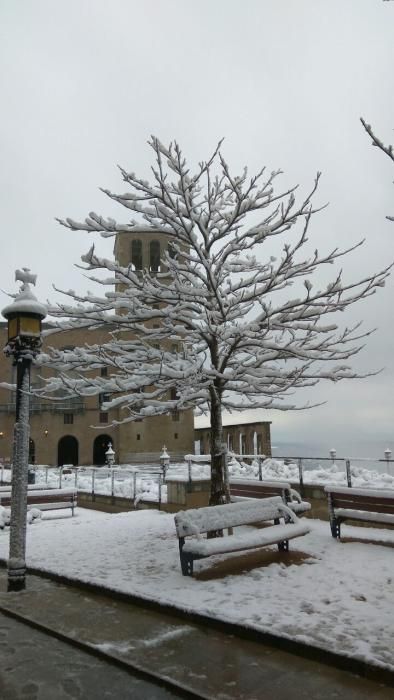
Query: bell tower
{"type": "Point", "coordinates": [143, 248]}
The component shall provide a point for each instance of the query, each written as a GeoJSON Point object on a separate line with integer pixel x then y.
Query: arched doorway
{"type": "Point", "coordinates": [100, 446]}
{"type": "Point", "coordinates": [67, 450]}
{"type": "Point", "coordinates": [32, 452]}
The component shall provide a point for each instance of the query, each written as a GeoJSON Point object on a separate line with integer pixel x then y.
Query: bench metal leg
{"type": "Point", "coordinates": [335, 528]}
{"type": "Point", "coordinates": [186, 564]}
{"type": "Point", "coordinates": [186, 559]}
{"type": "Point", "coordinates": [283, 546]}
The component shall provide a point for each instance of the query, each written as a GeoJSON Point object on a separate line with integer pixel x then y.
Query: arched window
{"type": "Point", "coordinates": [136, 254]}
{"type": "Point", "coordinates": [67, 451]}
{"type": "Point", "coordinates": [154, 256]}
{"type": "Point", "coordinates": [173, 397]}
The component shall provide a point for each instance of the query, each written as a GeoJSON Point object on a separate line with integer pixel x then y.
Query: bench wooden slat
{"type": "Point", "coordinates": [251, 492]}
{"type": "Point", "coordinates": [371, 517]}
{"type": "Point", "coordinates": [262, 489]}
{"type": "Point", "coordinates": [51, 506]}
{"type": "Point", "coordinates": [362, 504]}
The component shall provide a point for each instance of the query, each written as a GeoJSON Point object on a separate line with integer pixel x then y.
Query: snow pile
{"type": "Point", "coordinates": [33, 515]}
{"type": "Point", "coordinates": [325, 595]}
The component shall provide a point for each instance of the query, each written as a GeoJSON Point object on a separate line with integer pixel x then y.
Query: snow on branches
{"type": "Point", "coordinates": [244, 338]}
{"type": "Point", "coordinates": [388, 150]}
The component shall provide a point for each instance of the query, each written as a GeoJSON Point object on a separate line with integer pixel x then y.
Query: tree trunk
{"type": "Point", "coordinates": [220, 491]}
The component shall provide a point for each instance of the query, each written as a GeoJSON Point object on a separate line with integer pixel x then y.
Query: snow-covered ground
{"type": "Point", "coordinates": [336, 595]}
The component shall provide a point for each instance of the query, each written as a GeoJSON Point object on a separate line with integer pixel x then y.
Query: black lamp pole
{"type": "Point", "coordinates": [24, 318]}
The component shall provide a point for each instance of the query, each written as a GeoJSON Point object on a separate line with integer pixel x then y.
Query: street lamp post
{"type": "Point", "coordinates": [164, 460]}
{"type": "Point", "coordinates": [24, 316]}
{"type": "Point", "coordinates": [110, 455]}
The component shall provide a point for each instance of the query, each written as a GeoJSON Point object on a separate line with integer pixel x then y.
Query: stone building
{"type": "Point", "coordinates": [242, 438]}
{"type": "Point", "coordinates": [61, 431]}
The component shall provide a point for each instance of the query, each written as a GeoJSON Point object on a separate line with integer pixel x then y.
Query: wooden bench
{"type": "Point", "coordinates": [250, 488]}
{"type": "Point", "coordinates": [364, 505]}
{"type": "Point", "coordinates": [193, 523]}
{"type": "Point", "coordinates": [45, 499]}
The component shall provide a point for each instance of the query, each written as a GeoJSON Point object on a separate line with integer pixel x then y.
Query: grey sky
{"type": "Point", "coordinates": [84, 83]}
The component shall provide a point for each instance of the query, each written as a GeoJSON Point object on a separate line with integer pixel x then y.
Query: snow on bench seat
{"type": "Point", "coordinates": [367, 505]}
{"type": "Point", "coordinates": [195, 522]}
{"type": "Point", "coordinates": [261, 538]}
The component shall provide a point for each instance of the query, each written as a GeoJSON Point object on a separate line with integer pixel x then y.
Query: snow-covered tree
{"type": "Point", "coordinates": [250, 326]}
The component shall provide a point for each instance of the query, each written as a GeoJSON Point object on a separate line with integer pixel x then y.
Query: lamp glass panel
{"type": "Point", "coordinates": [12, 328]}
{"type": "Point", "coordinates": [28, 325]}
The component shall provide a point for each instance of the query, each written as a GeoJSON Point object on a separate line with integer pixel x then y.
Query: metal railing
{"type": "Point", "coordinates": [333, 459]}
{"type": "Point", "coordinates": [300, 462]}
{"type": "Point", "coordinates": [137, 478]}
{"type": "Point", "coordinates": [141, 474]}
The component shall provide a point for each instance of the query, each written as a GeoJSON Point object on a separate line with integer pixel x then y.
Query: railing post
{"type": "Point", "coordinates": [46, 475]}
{"type": "Point", "coordinates": [134, 484]}
{"type": "Point", "coordinates": [159, 493]}
{"type": "Point", "coordinates": [348, 474]}
{"type": "Point", "coordinates": [2, 471]}
{"type": "Point", "coordinates": [301, 476]}
{"type": "Point", "coordinates": [189, 469]}
{"type": "Point", "coordinates": [387, 456]}
{"type": "Point", "coordinates": [93, 480]}
{"type": "Point", "coordinates": [76, 478]}
{"type": "Point", "coordinates": [112, 483]}
{"type": "Point", "coordinates": [260, 468]}
{"type": "Point", "coordinates": [60, 477]}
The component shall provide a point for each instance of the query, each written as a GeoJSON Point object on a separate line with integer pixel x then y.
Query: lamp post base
{"type": "Point", "coordinates": [16, 584]}
{"type": "Point", "coordinates": [16, 575]}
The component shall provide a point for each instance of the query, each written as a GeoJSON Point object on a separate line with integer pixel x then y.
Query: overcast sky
{"type": "Point", "coordinates": [84, 83]}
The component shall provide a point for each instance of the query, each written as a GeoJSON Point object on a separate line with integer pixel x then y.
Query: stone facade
{"type": "Point", "coordinates": [242, 438]}
{"type": "Point", "coordinates": [62, 432]}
